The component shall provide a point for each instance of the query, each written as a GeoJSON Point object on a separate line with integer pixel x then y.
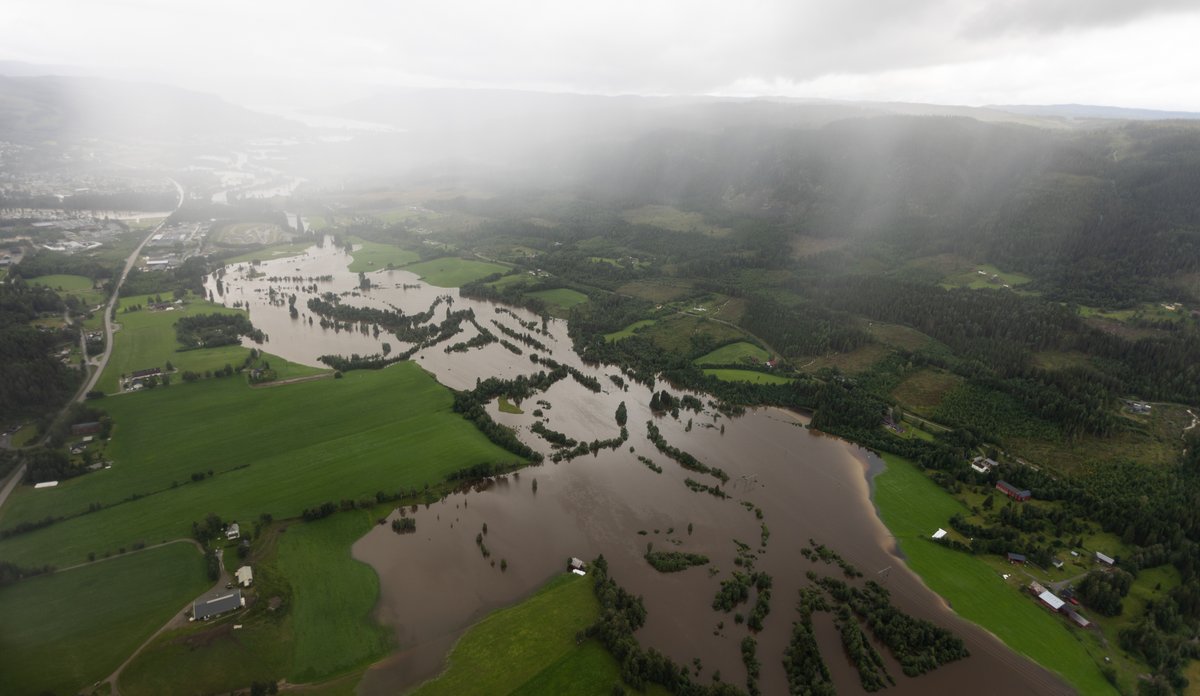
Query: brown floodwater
{"type": "Point", "coordinates": [435, 583]}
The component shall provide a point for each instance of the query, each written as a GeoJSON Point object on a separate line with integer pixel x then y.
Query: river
{"type": "Point", "coordinates": [436, 583]}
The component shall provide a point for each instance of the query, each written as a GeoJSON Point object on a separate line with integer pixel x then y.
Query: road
{"type": "Point", "coordinates": [99, 364]}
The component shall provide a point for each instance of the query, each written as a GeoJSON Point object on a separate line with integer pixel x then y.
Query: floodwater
{"type": "Point", "coordinates": [436, 582]}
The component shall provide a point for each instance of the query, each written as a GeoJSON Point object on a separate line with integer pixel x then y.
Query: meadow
{"type": "Point", "coordinates": [912, 506]}
{"type": "Point", "coordinates": [750, 376]}
{"type": "Point", "coordinates": [329, 439]}
{"type": "Point", "coordinates": [451, 271]}
{"type": "Point", "coordinates": [373, 256]}
{"type": "Point", "coordinates": [530, 649]}
{"type": "Point", "coordinates": [72, 286]}
{"type": "Point", "coordinates": [564, 298]}
{"type": "Point", "coordinates": [740, 352]}
{"type": "Point", "coordinates": [628, 330]}
{"type": "Point", "coordinates": [63, 632]}
{"type": "Point", "coordinates": [146, 339]}
{"type": "Point", "coordinates": [274, 251]}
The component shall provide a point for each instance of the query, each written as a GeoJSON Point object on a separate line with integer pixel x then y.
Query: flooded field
{"type": "Point", "coordinates": [437, 581]}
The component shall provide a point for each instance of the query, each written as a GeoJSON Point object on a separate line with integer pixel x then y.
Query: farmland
{"type": "Point", "coordinates": [451, 272]}
{"type": "Point", "coordinates": [912, 506]}
{"type": "Point", "coordinates": [629, 330]}
{"type": "Point", "coordinates": [72, 286]}
{"type": "Point", "coordinates": [746, 376]}
{"type": "Point", "coordinates": [740, 352]}
{"type": "Point", "coordinates": [331, 440]}
{"type": "Point", "coordinates": [563, 298]}
{"type": "Point", "coordinates": [70, 629]}
{"type": "Point", "coordinates": [373, 256]}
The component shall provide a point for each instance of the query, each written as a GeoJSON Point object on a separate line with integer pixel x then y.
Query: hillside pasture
{"type": "Point", "coordinates": [452, 272]}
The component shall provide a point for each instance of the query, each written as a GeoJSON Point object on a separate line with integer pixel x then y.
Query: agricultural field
{"type": "Point", "coordinates": [681, 334]}
{"type": "Point", "coordinates": [854, 362]}
{"type": "Point", "coordinates": [629, 330]}
{"type": "Point", "coordinates": [746, 376]}
{"type": "Point", "coordinates": [904, 338]}
{"type": "Point", "coordinates": [248, 233]}
{"type": "Point", "coordinates": [530, 649]}
{"type": "Point", "coordinates": [452, 272]}
{"type": "Point", "coordinates": [661, 290]}
{"type": "Point", "coordinates": [65, 631]}
{"type": "Point", "coordinates": [514, 279]}
{"type": "Point", "coordinates": [147, 339]}
{"type": "Point", "coordinates": [924, 390]}
{"type": "Point", "coordinates": [331, 439]}
{"type": "Point", "coordinates": [985, 276]}
{"type": "Point", "coordinates": [669, 218]}
{"type": "Point", "coordinates": [563, 298]}
{"type": "Point", "coordinates": [72, 286]}
{"type": "Point", "coordinates": [373, 256]}
{"type": "Point", "coordinates": [275, 251]}
{"type": "Point", "coordinates": [740, 352]}
{"type": "Point", "coordinates": [1149, 311]}
{"type": "Point", "coordinates": [912, 506]}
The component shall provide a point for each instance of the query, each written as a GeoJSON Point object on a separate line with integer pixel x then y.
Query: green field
{"type": "Point", "coordinates": [530, 649]}
{"type": "Point", "coordinates": [746, 376]}
{"type": "Point", "coordinates": [329, 439]}
{"type": "Point", "coordinates": [507, 406]}
{"type": "Point", "coordinates": [913, 507]}
{"type": "Point", "coordinates": [65, 631]}
{"type": "Point", "coordinates": [72, 285]}
{"type": "Point", "coordinates": [147, 339]}
{"type": "Point", "coordinates": [275, 251]}
{"type": "Point", "coordinates": [734, 353]}
{"type": "Point", "coordinates": [682, 333]}
{"type": "Point", "coordinates": [514, 279]}
{"type": "Point", "coordinates": [628, 330]}
{"type": "Point", "coordinates": [451, 271]}
{"type": "Point", "coordinates": [322, 629]}
{"type": "Point", "coordinates": [991, 278]}
{"type": "Point", "coordinates": [565, 298]}
{"type": "Point", "coordinates": [373, 256]}
{"type": "Point", "coordinates": [668, 218]}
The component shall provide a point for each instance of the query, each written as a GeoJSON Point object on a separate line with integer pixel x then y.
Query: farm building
{"type": "Point", "coordinates": [983, 465]}
{"type": "Point", "coordinates": [1017, 494]}
{"type": "Point", "coordinates": [939, 533]}
{"type": "Point", "coordinates": [213, 606]}
{"type": "Point", "coordinates": [1016, 558]}
{"type": "Point", "coordinates": [233, 531]}
{"type": "Point", "coordinates": [143, 374]}
{"type": "Point", "coordinates": [1077, 618]}
{"type": "Point", "coordinates": [245, 576]}
{"type": "Point", "coordinates": [1106, 560]}
{"type": "Point", "coordinates": [1051, 600]}
{"type": "Point", "coordinates": [89, 428]}
{"type": "Point", "coordinates": [577, 564]}
{"type": "Point", "coordinates": [1036, 588]}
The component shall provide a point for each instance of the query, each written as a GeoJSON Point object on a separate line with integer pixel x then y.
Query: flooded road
{"type": "Point", "coordinates": [437, 582]}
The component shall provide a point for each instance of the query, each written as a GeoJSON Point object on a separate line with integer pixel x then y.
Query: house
{"type": "Point", "coordinates": [1016, 558]}
{"type": "Point", "coordinates": [1106, 560]}
{"type": "Point", "coordinates": [1051, 600]}
{"type": "Point", "coordinates": [207, 608]}
{"type": "Point", "coordinates": [1036, 588]}
{"type": "Point", "coordinates": [983, 465]}
{"type": "Point", "coordinates": [577, 565]}
{"type": "Point", "coordinates": [1017, 494]}
{"type": "Point", "coordinates": [233, 531]}
{"type": "Point", "coordinates": [245, 576]}
{"type": "Point", "coordinates": [939, 533]}
{"type": "Point", "coordinates": [1058, 563]}
{"type": "Point", "coordinates": [88, 428]}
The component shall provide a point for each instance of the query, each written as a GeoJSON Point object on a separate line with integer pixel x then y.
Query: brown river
{"type": "Point", "coordinates": [436, 583]}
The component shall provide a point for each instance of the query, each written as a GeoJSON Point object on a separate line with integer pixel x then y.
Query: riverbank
{"type": "Point", "coordinates": [913, 507]}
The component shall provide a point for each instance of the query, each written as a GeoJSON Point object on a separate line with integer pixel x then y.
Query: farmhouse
{"type": "Point", "coordinates": [85, 428]}
{"type": "Point", "coordinates": [1016, 558]}
{"type": "Point", "coordinates": [1106, 560]}
{"type": "Point", "coordinates": [1017, 494]}
{"type": "Point", "coordinates": [245, 576]}
{"type": "Point", "coordinates": [233, 531]}
{"type": "Point", "coordinates": [577, 566]}
{"type": "Point", "coordinates": [1051, 600]}
{"type": "Point", "coordinates": [983, 465]}
{"type": "Point", "coordinates": [213, 606]}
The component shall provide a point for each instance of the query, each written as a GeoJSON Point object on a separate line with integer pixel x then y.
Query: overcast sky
{"type": "Point", "coordinates": [1136, 53]}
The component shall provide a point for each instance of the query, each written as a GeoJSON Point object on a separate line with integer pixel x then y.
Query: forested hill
{"type": "Point", "coordinates": [1105, 216]}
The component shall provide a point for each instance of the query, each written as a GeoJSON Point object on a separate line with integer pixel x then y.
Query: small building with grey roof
{"type": "Point", "coordinates": [206, 608]}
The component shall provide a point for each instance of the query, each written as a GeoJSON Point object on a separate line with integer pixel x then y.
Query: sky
{"type": "Point", "coordinates": [302, 54]}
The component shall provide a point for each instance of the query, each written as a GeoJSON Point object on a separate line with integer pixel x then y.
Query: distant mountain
{"type": "Point", "coordinates": [1085, 111]}
{"type": "Point", "coordinates": [54, 107]}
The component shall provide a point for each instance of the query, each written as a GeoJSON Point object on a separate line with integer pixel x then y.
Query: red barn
{"type": "Point", "coordinates": [1019, 495]}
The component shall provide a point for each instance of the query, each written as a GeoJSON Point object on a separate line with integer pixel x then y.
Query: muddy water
{"type": "Point", "coordinates": [436, 582]}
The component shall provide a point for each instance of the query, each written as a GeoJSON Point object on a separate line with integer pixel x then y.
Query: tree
{"type": "Point", "coordinates": [622, 414]}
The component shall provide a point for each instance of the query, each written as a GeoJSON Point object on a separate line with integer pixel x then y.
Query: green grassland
{"type": "Point", "coordinates": [669, 218]}
{"type": "Point", "coordinates": [924, 390]}
{"type": "Point", "coordinates": [328, 439]}
{"type": "Point", "coordinates": [275, 251]}
{"type": "Point", "coordinates": [660, 290]}
{"type": "Point", "coordinates": [740, 352]}
{"type": "Point", "coordinates": [681, 334]}
{"type": "Point", "coordinates": [65, 631]}
{"type": "Point", "coordinates": [978, 281]}
{"type": "Point", "coordinates": [746, 376]}
{"type": "Point", "coordinates": [564, 298]}
{"type": "Point", "coordinates": [147, 339]}
{"type": "Point", "coordinates": [530, 649]}
{"type": "Point", "coordinates": [373, 256]}
{"type": "Point", "coordinates": [72, 285]}
{"type": "Point", "coordinates": [514, 279]}
{"type": "Point", "coordinates": [628, 330]}
{"type": "Point", "coordinates": [1149, 311]}
{"type": "Point", "coordinates": [912, 507]}
{"type": "Point", "coordinates": [451, 271]}
{"type": "Point", "coordinates": [322, 629]}
{"type": "Point", "coordinates": [244, 233]}
{"type": "Point", "coordinates": [853, 362]}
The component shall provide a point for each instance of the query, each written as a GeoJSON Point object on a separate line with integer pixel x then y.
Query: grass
{"type": "Point", "coordinates": [65, 631]}
{"type": "Point", "coordinates": [975, 280]}
{"type": "Point", "coordinates": [740, 352]}
{"type": "Point", "coordinates": [854, 362]}
{"type": "Point", "coordinates": [530, 649]}
{"type": "Point", "coordinates": [147, 339]}
{"type": "Point", "coordinates": [452, 272]}
{"type": "Point", "coordinates": [924, 390]}
{"type": "Point", "coordinates": [663, 290]}
{"type": "Point", "coordinates": [628, 330]}
{"type": "Point", "coordinates": [507, 406]}
{"type": "Point", "coordinates": [330, 440]}
{"type": "Point", "coordinates": [746, 376]}
{"type": "Point", "coordinates": [912, 507]}
{"type": "Point", "coordinates": [565, 298]}
{"type": "Point", "coordinates": [668, 218]}
{"type": "Point", "coordinates": [373, 256]}
{"type": "Point", "coordinates": [275, 251]}
{"type": "Point", "coordinates": [514, 279]}
{"type": "Point", "coordinates": [681, 334]}
{"type": "Point", "coordinates": [25, 436]}
{"type": "Point", "coordinates": [72, 285]}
